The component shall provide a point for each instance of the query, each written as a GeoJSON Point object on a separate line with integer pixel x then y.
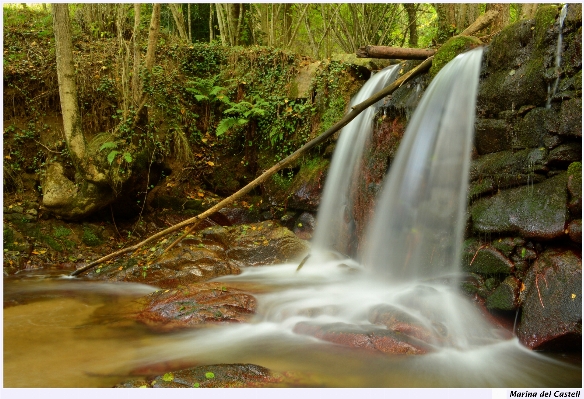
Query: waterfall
{"type": "Point", "coordinates": [331, 230]}
{"type": "Point", "coordinates": [420, 215]}
{"type": "Point", "coordinates": [558, 56]}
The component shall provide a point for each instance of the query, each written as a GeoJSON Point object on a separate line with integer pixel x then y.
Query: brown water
{"type": "Point", "coordinates": [69, 333]}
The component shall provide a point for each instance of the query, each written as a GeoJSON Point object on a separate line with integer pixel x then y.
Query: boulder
{"type": "Point", "coordinates": [506, 295]}
{"type": "Point", "coordinates": [364, 337]}
{"type": "Point", "coordinates": [537, 211]}
{"type": "Point", "coordinates": [552, 303]}
{"type": "Point", "coordinates": [485, 259]}
{"type": "Point", "coordinates": [194, 305]}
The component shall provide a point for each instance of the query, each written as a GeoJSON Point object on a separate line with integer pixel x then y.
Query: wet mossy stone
{"type": "Point", "coordinates": [485, 259]}
{"type": "Point", "coordinates": [545, 17]}
{"type": "Point", "coordinates": [492, 135]}
{"type": "Point", "coordinates": [535, 127]}
{"type": "Point", "coordinates": [552, 303]}
{"type": "Point", "coordinates": [506, 295]}
{"type": "Point", "coordinates": [453, 47]}
{"type": "Point", "coordinates": [533, 211]}
{"type": "Point", "coordinates": [570, 120]}
{"type": "Point", "coordinates": [575, 188]}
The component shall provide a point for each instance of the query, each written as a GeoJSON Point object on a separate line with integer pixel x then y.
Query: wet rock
{"type": "Point", "coordinates": [575, 188]}
{"type": "Point", "coordinates": [190, 261]}
{"type": "Point", "coordinates": [575, 230]}
{"type": "Point", "coordinates": [491, 135]}
{"type": "Point", "coordinates": [536, 129]}
{"type": "Point", "coordinates": [552, 304]}
{"type": "Point", "coordinates": [504, 169]}
{"type": "Point", "coordinates": [237, 375]}
{"type": "Point", "coordinates": [194, 305]}
{"type": "Point", "coordinates": [307, 185]}
{"type": "Point", "coordinates": [238, 215]}
{"type": "Point", "coordinates": [402, 322]}
{"type": "Point", "coordinates": [507, 244]}
{"type": "Point", "coordinates": [262, 243]}
{"type": "Point", "coordinates": [304, 226]}
{"type": "Point", "coordinates": [450, 49]}
{"type": "Point", "coordinates": [565, 154]}
{"type": "Point", "coordinates": [570, 121]}
{"type": "Point", "coordinates": [537, 211]}
{"type": "Point", "coordinates": [506, 295]}
{"type": "Point", "coordinates": [288, 220]}
{"type": "Point", "coordinates": [364, 337]}
{"type": "Point", "coordinates": [485, 259]}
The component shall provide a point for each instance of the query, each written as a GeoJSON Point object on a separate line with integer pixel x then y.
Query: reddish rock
{"type": "Point", "coordinates": [364, 337]}
{"type": "Point", "coordinates": [402, 322]}
{"type": "Point", "coordinates": [211, 376]}
{"type": "Point", "coordinates": [552, 303]}
{"type": "Point", "coordinates": [379, 151]}
{"type": "Point", "coordinates": [194, 305]}
{"type": "Point", "coordinates": [304, 226]}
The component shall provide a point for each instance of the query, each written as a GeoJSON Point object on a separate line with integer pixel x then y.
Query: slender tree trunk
{"type": "Point", "coordinates": [211, 27]}
{"type": "Point", "coordinates": [153, 37]}
{"type": "Point", "coordinates": [68, 87]}
{"type": "Point", "coordinates": [412, 23]}
{"type": "Point", "coordinates": [189, 22]}
{"type": "Point", "coordinates": [136, 89]}
{"type": "Point", "coordinates": [446, 21]}
{"type": "Point", "coordinates": [179, 20]}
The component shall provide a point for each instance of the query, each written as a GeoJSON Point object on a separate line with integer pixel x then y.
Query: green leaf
{"type": "Point", "coordinates": [227, 123]}
{"type": "Point", "coordinates": [209, 375]}
{"type": "Point", "coordinates": [168, 377]}
{"type": "Point", "coordinates": [111, 156]}
{"type": "Point", "coordinates": [128, 157]}
{"type": "Point", "coordinates": [201, 97]}
{"type": "Point", "coordinates": [196, 385]}
{"type": "Point", "coordinates": [109, 144]}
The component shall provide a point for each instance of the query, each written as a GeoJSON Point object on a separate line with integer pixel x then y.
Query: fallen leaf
{"type": "Point", "coordinates": [210, 163]}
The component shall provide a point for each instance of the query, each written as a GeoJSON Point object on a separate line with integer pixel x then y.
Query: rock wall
{"type": "Point", "coordinates": [523, 249]}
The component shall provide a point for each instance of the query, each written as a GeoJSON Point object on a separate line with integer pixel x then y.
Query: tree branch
{"type": "Point", "coordinates": [356, 110]}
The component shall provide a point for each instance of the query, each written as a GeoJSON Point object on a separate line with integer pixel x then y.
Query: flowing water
{"type": "Point", "coordinates": [337, 197]}
{"type": "Point", "coordinates": [552, 91]}
{"type": "Point", "coordinates": [70, 333]}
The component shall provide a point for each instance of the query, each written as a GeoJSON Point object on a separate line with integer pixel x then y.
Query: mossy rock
{"type": "Point", "coordinates": [545, 17]}
{"type": "Point", "coordinates": [453, 47]}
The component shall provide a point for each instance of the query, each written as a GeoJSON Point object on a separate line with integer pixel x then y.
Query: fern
{"type": "Point", "coordinates": [227, 123]}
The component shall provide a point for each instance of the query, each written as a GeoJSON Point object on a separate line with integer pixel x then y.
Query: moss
{"type": "Point", "coordinates": [454, 46]}
{"type": "Point", "coordinates": [91, 236]}
{"type": "Point", "coordinates": [575, 169]}
{"type": "Point", "coordinates": [545, 17]}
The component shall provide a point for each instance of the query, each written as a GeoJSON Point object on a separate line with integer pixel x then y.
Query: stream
{"type": "Point", "coordinates": [61, 332]}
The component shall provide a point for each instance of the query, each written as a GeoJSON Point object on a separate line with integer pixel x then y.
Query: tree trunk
{"type": "Point", "coordinates": [394, 53]}
{"type": "Point", "coordinates": [412, 23]}
{"type": "Point", "coordinates": [179, 20]}
{"type": "Point", "coordinates": [89, 192]}
{"type": "Point", "coordinates": [136, 92]}
{"type": "Point", "coordinates": [446, 21]}
{"type": "Point", "coordinates": [68, 87]}
{"type": "Point", "coordinates": [528, 10]}
{"type": "Point", "coordinates": [502, 18]}
{"type": "Point", "coordinates": [153, 37]}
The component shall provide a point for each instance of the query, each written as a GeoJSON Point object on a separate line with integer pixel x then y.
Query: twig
{"type": "Point", "coordinates": [263, 177]}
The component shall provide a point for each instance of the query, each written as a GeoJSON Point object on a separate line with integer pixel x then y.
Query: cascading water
{"type": "Point", "coordinates": [416, 237]}
{"type": "Point", "coordinates": [337, 198]}
{"type": "Point", "coordinates": [551, 92]}
{"type": "Point", "coordinates": [412, 253]}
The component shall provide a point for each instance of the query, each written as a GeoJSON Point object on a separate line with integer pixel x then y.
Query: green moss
{"type": "Point", "coordinates": [575, 169]}
{"type": "Point", "coordinates": [545, 17]}
{"type": "Point", "coordinates": [91, 236]}
{"type": "Point", "coordinates": [454, 46]}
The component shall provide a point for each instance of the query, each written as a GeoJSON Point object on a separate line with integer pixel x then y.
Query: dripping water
{"type": "Point", "coordinates": [552, 92]}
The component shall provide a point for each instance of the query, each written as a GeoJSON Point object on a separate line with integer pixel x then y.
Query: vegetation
{"type": "Point", "coordinates": [199, 84]}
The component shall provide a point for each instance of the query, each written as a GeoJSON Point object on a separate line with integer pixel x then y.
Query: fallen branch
{"type": "Point", "coordinates": [387, 52]}
{"type": "Point", "coordinates": [356, 110]}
